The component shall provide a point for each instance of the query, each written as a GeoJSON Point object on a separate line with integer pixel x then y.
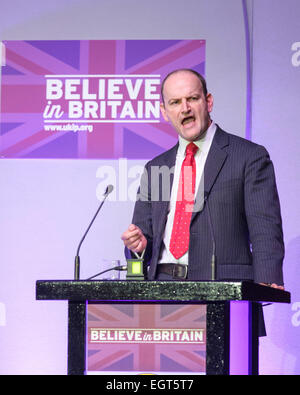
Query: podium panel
{"type": "Point", "coordinates": [146, 338]}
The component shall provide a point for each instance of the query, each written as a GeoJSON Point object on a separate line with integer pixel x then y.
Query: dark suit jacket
{"type": "Point", "coordinates": [242, 198]}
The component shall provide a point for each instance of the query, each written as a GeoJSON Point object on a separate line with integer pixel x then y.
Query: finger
{"type": "Point", "coordinates": [142, 244]}
{"type": "Point", "coordinates": [277, 286]}
{"type": "Point", "coordinates": [134, 240]}
{"type": "Point", "coordinates": [128, 234]}
{"type": "Point", "coordinates": [139, 247]}
{"type": "Point", "coordinates": [134, 246]}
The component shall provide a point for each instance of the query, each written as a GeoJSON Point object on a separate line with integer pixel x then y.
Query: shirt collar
{"type": "Point", "coordinates": [203, 143]}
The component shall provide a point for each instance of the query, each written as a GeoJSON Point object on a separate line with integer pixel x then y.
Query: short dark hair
{"type": "Point", "coordinates": [198, 75]}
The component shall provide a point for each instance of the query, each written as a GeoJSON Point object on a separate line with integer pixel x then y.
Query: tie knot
{"type": "Point", "coordinates": [191, 149]}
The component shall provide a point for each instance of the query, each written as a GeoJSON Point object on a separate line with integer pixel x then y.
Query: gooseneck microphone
{"type": "Point", "coordinates": [108, 190]}
{"type": "Point", "coordinates": [213, 257]}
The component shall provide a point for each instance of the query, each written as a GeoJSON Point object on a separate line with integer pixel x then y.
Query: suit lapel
{"type": "Point", "coordinates": [213, 165]}
{"type": "Point", "coordinates": [215, 159]}
{"type": "Point", "coordinates": [168, 159]}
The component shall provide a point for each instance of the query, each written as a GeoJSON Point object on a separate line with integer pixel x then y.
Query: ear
{"type": "Point", "coordinates": [163, 112]}
{"type": "Point", "coordinates": [210, 102]}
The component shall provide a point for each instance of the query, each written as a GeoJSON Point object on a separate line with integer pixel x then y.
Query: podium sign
{"type": "Point", "coordinates": [148, 338]}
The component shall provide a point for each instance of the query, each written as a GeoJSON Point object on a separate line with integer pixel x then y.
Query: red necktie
{"type": "Point", "coordinates": [180, 237]}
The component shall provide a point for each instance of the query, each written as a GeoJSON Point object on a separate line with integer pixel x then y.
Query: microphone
{"type": "Point", "coordinates": [213, 257]}
{"type": "Point", "coordinates": [119, 267]}
{"type": "Point", "coordinates": [108, 190]}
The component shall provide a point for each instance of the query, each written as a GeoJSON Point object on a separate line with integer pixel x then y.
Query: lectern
{"type": "Point", "coordinates": [216, 295]}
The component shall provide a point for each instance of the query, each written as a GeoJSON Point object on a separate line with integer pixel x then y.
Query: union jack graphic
{"type": "Point", "coordinates": [143, 356]}
{"type": "Point", "coordinates": [23, 98]}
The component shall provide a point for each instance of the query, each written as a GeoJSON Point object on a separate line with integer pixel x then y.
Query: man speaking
{"type": "Point", "coordinates": [222, 219]}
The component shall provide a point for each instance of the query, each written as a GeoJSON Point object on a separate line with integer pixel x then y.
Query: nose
{"type": "Point", "coordinates": [185, 106]}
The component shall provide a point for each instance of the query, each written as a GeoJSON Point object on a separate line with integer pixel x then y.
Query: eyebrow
{"type": "Point", "coordinates": [186, 97]}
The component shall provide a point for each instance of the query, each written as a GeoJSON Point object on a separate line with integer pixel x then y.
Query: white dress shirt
{"type": "Point", "coordinates": [200, 158]}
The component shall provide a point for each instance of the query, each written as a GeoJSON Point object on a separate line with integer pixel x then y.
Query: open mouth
{"type": "Point", "coordinates": [187, 120]}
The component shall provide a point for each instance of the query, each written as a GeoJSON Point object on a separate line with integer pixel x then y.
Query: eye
{"type": "Point", "coordinates": [174, 102]}
{"type": "Point", "coordinates": [194, 98]}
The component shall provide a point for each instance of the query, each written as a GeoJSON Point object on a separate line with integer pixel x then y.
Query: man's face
{"type": "Point", "coordinates": [186, 106]}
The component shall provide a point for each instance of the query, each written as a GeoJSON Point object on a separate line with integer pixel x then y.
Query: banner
{"type": "Point", "coordinates": [89, 99]}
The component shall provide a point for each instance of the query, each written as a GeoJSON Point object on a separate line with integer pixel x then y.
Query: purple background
{"type": "Point", "coordinates": [46, 204]}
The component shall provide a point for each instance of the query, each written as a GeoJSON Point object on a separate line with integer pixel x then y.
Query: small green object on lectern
{"type": "Point", "coordinates": [135, 269]}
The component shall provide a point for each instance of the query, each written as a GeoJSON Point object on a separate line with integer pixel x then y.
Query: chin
{"type": "Point", "coordinates": [190, 136]}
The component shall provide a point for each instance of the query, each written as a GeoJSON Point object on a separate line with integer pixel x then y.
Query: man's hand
{"type": "Point", "coordinates": [273, 286]}
{"type": "Point", "coordinates": [134, 239]}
